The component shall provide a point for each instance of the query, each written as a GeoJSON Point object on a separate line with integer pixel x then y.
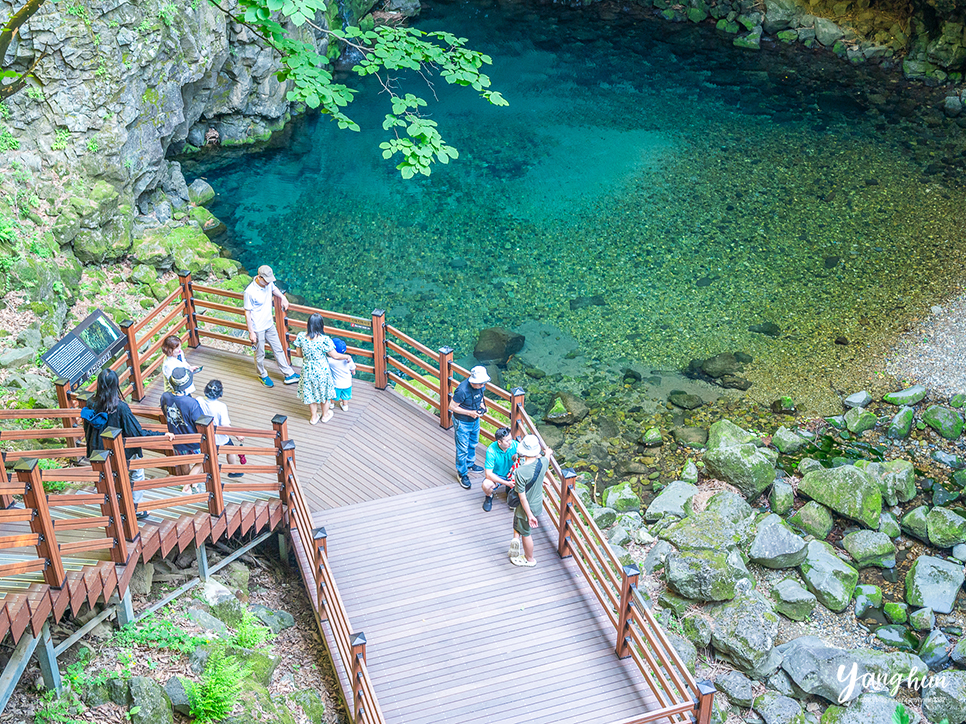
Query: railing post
{"type": "Point", "coordinates": [133, 360]}
{"type": "Point", "coordinates": [358, 641]}
{"type": "Point", "coordinates": [284, 454]}
{"type": "Point", "coordinates": [566, 511]}
{"type": "Point", "coordinates": [281, 325]}
{"type": "Point", "coordinates": [101, 462]}
{"type": "Point", "coordinates": [187, 296]}
{"type": "Point", "coordinates": [704, 702]}
{"type": "Point", "coordinates": [34, 497]}
{"type": "Point", "coordinates": [445, 372]}
{"type": "Point", "coordinates": [628, 586]}
{"type": "Point", "coordinates": [319, 540]}
{"type": "Point", "coordinates": [516, 419]}
{"type": "Point", "coordinates": [216, 497]}
{"type": "Point", "coordinates": [114, 442]}
{"type": "Point", "coordinates": [379, 348]}
{"type": "Point", "coordinates": [62, 387]}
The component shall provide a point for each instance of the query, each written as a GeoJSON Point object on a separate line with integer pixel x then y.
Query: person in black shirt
{"type": "Point", "coordinates": [182, 411]}
{"type": "Point", "coordinates": [468, 407]}
{"type": "Point", "coordinates": [107, 400]}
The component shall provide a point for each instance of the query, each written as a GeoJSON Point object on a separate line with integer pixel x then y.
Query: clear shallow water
{"type": "Point", "coordinates": [698, 189]}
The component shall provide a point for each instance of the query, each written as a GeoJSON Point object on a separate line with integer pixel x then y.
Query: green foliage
{"type": "Point", "coordinates": [79, 11]}
{"type": "Point", "coordinates": [101, 70]}
{"type": "Point", "coordinates": [7, 140]}
{"type": "Point", "coordinates": [112, 24]}
{"type": "Point", "coordinates": [35, 93]}
{"type": "Point", "coordinates": [221, 682]}
{"type": "Point", "coordinates": [92, 145]}
{"type": "Point", "coordinates": [55, 710]}
{"type": "Point", "coordinates": [8, 231]}
{"type": "Point", "coordinates": [158, 633]}
{"type": "Point", "coordinates": [250, 633]}
{"type": "Point", "coordinates": [167, 12]}
{"type": "Point", "coordinates": [61, 140]}
{"type": "Point", "coordinates": [144, 27]}
{"type": "Point", "coordinates": [384, 50]}
{"type": "Point", "coordinates": [4, 111]}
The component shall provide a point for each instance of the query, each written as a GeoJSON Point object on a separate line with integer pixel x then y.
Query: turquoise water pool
{"type": "Point", "coordinates": [650, 190]}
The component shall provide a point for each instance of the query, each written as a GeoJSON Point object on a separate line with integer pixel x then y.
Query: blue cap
{"type": "Point", "coordinates": [339, 345]}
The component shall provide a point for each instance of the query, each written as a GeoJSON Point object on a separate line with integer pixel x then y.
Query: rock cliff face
{"type": "Point", "coordinates": [122, 81]}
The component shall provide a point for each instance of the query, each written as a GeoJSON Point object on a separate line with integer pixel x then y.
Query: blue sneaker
{"type": "Point", "coordinates": [267, 381]}
{"type": "Point", "coordinates": [292, 378]}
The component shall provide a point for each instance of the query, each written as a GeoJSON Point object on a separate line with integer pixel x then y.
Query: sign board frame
{"type": "Point", "coordinates": [86, 348]}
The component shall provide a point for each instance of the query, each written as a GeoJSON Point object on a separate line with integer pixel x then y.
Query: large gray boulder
{"type": "Point", "coordinates": [497, 344]}
{"type": "Point", "coordinates": [673, 500]}
{"type": "Point", "coordinates": [933, 583]}
{"type": "Point", "coordinates": [737, 687]}
{"type": "Point", "coordinates": [743, 631]}
{"type": "Point", "coordinates": [945, 527]}
{"type": "Point", "coordinates": [776, 708]}
{"type": "Point", "coordinates": [831, 579]}
{"type": "Point", "coordinates": [848, 491]}
{"type": "Point", "coordinates": [792, 599]}
{"type": "Point", "coordinates": [775, 546]}
{"type": "Point", "coordinates": [814, 667]}
{"type": "Point", "coordinates": [868, 708]}
{"type": "Point", "coordinates": [707, 575]}
{"type": "Point", "coordinates": [945, 698]}
{"type": "Point", "coordinates": [732, 457]}
{"type": "Point", "coordinates": [224, 605]}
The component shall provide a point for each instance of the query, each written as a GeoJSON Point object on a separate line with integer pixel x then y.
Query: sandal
{"type": "Point", "coordinates": [516, 548]}
{"type": "Point", "coordinates": [314, 421]}
{"type": "Point", "coordinates": [327, 416]}
{"type": "Point", "coordinates": [522, 562]}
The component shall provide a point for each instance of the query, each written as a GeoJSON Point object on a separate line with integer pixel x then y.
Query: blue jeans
{"type": "Point", "coordinates": [467, 437]}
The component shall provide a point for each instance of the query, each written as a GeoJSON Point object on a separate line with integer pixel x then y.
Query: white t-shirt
{"type": "Point", "coordinates": [258, 302]}
{"type": "Point", "coordinates": [169, 365]}
{"type": "Point", "coordinates": [218, 411]}
{"type": "Point", "coordinates": [341, 372]}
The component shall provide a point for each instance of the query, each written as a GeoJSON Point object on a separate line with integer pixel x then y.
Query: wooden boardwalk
{"type": "Point", "coordinates": [455, 632]}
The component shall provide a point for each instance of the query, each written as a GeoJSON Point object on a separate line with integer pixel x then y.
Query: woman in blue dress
{"type": "Point", "coordinates": [315, 385]}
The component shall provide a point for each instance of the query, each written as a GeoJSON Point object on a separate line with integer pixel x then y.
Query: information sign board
{"type": "Point", "coordinates": [85, 349]}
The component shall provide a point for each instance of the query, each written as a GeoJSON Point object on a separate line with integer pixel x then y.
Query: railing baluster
{"type": "Point", "coordinates": [320, 541]}
{"type": "Point", "coordinates": [566, 511]}
{"type": "Point", "coordinates": [133, 360]}
{"type": "Point", "coordinates": [216, 497]}
{"type": "Point", "coordinates": [187, 295]}
{"type": "Point", "coordinates": [62, 388]}
{"type": "Point", "coordinates": [379, 348]}
{"type": "Point", "coordinates": [445, 371]}
{"type": "Point", "coordinates": [629, 584]}
{"type": "Point", "coordinates": [28, 473]}
{"type": "Point", "coordinates": [114, 442]}
{"type": "Point", "coordinates": [281, 326]}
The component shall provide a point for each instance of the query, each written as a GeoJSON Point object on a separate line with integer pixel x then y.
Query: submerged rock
{"type": "Point", "coordinates": [497, 344]}
{"type": "Point", "coordinates": [566, 409]}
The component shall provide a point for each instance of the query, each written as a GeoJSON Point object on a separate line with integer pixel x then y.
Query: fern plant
{"type": "Point", "coordinates": [250, 633]}
{"type": "Point", "coordinates": [214, 697]}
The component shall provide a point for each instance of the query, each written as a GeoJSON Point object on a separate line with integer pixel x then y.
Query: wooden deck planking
{"type": "Point", "coordinates": [455, 632]}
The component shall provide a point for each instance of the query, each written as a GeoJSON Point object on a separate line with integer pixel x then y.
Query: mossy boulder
{"type": "Point", "coordinates": [730, 456]}
{"type": "Point", "coordinates": [673, 500]}
{"type": "Point", "coordinates": [103, 244]}
{"type": "Point", "coordinates": [176, 247]}
{"type": "Point", "coordinates": [261, 663]}
{"type": "Point", "coordinates": [946, 697]}
{"type": "Point", "coordinates": [793, 600]}
{"type": "Point", "coordinates": [934, 583]}
{"type": "Point", "coordinates": [743, 630]}
{"type": "Point", "coordinates": [621, 498]}
{"type": "Point", "coordinates": [775, 545]}
{"type": "Point", "coordinates": [946, 422]}
{"type": "Point", "coordinates": [149, 702]}
{"type": "Point", "coordinates": [831, 579]}
{"type": "Point", "coordinates": [901, 424]}
{"type": "Point", "coordinates": [868, 708]}
{"type": "Point", "coordinates": [869, 548]}
{"type": "Point", "coordinates": [781, 499]}
{"type": "Point", "coordinates": [200, 192]}
{"type": "Point", "coordinates": [788, 442]}
{"type": "Point", "coordinates": [210, 224]}
{"type": "Point", "coordinates": [566, 409]}
{"type": "Point", "coordinates": [945, 528]}
{"type": "Point", "coordinates": [848, 491]}
{"type": "Point", "coordinates": [707, 575]}
{"type": "Point", "coordinates": [908, 396]}
{"type": "Point", "coordinates": [859, 420]}
{"type": "Point", "coordinates": [725, 522]}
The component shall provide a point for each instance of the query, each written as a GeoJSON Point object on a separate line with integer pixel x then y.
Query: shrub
{"type": "Point", "coordinates": [214, 697]}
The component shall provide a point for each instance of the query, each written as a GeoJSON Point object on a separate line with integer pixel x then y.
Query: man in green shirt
{"type": "Point", "coordinates": [499, 460]}
{"type": "Point", "coordinates": [529, 477]}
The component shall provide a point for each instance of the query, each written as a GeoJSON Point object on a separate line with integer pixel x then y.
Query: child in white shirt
{"type": "Point", "coordinates": [218, 411]}
{"type": "Point", "coordinates": [173, 359]}
{"type": "Point", "coordinates": [342, 371]}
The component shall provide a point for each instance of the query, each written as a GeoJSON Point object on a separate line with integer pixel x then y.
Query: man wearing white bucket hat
{"type": "Point", "coordinates": [468, 407]}
{"type": "Point", "coordinates": [529, 487]}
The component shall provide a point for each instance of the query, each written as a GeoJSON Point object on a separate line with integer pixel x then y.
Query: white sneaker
{"type": "Point", "coordinates": [344, 405]}
{"type": "Point", "coordinates": [516, 548]}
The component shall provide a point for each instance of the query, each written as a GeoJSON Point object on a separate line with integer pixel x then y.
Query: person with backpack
{"type": "Point", "coordinates": [107, 409]}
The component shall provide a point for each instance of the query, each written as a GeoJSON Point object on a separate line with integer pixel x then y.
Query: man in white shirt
{"type": "Point", "coordinates": [261, 325]}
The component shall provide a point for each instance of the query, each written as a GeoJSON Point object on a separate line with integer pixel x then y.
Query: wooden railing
{"type": "Point", "coordinates": [391, 356]}
{"type": "Point", "coordinates": [351, 644]}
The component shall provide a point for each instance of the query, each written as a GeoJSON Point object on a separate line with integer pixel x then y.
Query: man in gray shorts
{"type": "Point", "coordinates": [529, 475]}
